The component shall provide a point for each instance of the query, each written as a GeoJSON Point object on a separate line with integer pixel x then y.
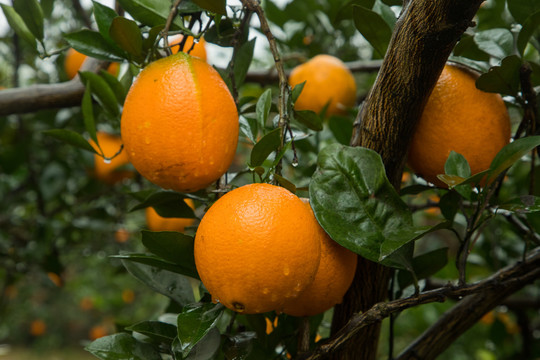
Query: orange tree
{"type": "Point", "coordinates": [470, 242]}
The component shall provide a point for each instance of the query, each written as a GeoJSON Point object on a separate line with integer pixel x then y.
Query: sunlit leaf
{"type": "Point", "coordinates": [264, 147]}
{"type": "Point", "coordinates": [194, 322]}
{"type": "Point", "coordinates": [496, 42]}
{"type": "Point", "coordinates": [171, 246]}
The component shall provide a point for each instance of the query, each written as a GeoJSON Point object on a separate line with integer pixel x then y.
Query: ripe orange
{"type": "Point", "coordinates": [257, 247]}
{"type": "Point", "coordinates": [121, 235]}
{"type": "Point", "coordinates": [458, 117]}
{"type": "Point", "coordinates": [180, 123]}
{"type": "Point", "coordinates": [199, 50]}
{"type": "Point", "coordinates": [74, 60]}
{"type": "Point", "coordinates": [156, 222]}
{"type": "Point", "coordinates": [97, 332]}
{"type": "Point", "coordinates": [107, 170]}
{"type": "Point", "coordinates": [328, 81]}
{"type": "Point", "coordinates": [38, 328]}
{"type": "Point", "coordinates": [333, 279]}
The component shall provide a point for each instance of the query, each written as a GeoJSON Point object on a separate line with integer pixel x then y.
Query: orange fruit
{"type": "Point", "coordinates": [107, 170]}
{"type": "Point", "coordinates": [462, 118]}
{"type": "Point", "coordinates": [328, 81]}
{"type": "Point", "coordinates": [74, 60]}
{"type": "Point", "coordinates": [38, 328]}
{"type": "Point", "coordinates": [156, 222]}
{"type": "Point", "coordinates": [128, 296]}
{"type": "Point", "coordinates": [121, 235]}
{"type": "Point", "coordinates": [180, 123]}
{"type": "Point", "coordinates": [333, 279]}
{"type": "Point", "coordinates": [97, 332]}
{"type": "Point", "coordinates": [257, 247]}
{"type": "Point", "coordinates": [199, 50]}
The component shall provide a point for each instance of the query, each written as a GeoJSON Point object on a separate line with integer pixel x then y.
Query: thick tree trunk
{"type": "Point", "coordinates": [422, 40]}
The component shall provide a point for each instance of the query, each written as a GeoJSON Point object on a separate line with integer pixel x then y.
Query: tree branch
{"type": "Point", "coordinates": [421, 42]}
{"type": "Point", "coordinates": [492, 289]}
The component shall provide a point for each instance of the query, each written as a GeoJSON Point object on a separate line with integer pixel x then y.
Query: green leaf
{"type": "Point", "coordinates": [122, 346]}
{"type": "Point", "coordinates": [156, 330]}
{"type": "Point", "coordinates": [530, 26]}
{"type": "Point", "coordinates": [104, 16]}
{"type": "Point", "coordinates": [151, 12]}
{"type": "Point", "coordinates": [93, 44]}
{"type": "Point", "coordinates": [17, 24]}
{"type": "Point", "coordinates": [222, 33]}
{"type": "Point", "coordinates": [285, 183]}
{"type": "Point", "coordinates": [373, 28]}
{"type": "Point", "coordinates": [449, 205]}
{"type": "Point", "coordinates": [503, 79]}
{"type": "Point", "coordinates": [70, 137]}
{"type": "Point", "coordinates": [341, 127]}
{"type": "Point", "coordinates": [167, 204]}
{"type": "Point", "coordinates": [205, 348]}
{"type": "Point", "coordinates": [309, 118]}
{"type": "Point", "coordinates": [249, 128]}
{"type": "Point", "coordinates": [498, 43]}
{"type": "Point", "coordinates": [243, 60]}
{"type": "Point", "coordinates": [356, 204]}
{"type": "Point", "coordinates": [88, 113]}
{"type": "Point", "coordinates": [522, 9]}
{"type": "Point", "coordinates": [215, 6]}
{"type": "Point", "coordinates": [268, 144]}
{"type": "Point", "coordinates": [194, 322]}
{"type": "Point", "coordinates": [239, 346]}
{"type": "Point", "coordinates": [457, 165]}
{"type": "Point", "coordinates": [171, 246]}
{"type": "Point", "coordinates": [424, 266]}
{"type": "Point", "coordinates": [128, 37]}
{"type": "Point", "coordinates": [510, 154]}
{"type": "Point", "coordinates": [116, 86]}
{"type": "Point", "coordinates": [105, 95]}
{"type": "Point", "coordinates": [170, 284]}
{"type": "Point", "coordinates": [159, 263]}
{"type": "Point", "coordinates": [523, 205]}
{"type": "Point", "coordinates": [262, 109]}
{"type": "Point", "coordinates": [32, 15]}
{"type": "Point", "coordinates": [153, 34]}
{"type": "Point", "coordinates": [346, 11]}
{"type": "Point", "coordinates": [296, 91]}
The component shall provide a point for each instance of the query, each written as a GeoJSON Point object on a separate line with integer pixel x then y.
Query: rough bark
{"type": "Point", "coordinates": [423, 38]}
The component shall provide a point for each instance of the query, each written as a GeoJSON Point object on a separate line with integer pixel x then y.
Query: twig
{"type": "Point", "coordinates": [165, 31]}
{"type": "Point", "coordinates": [530, 114]}
{"type": "Point", "coordinates": [284, 88]}
{"type": "Point", "coordinates": [236, 46]}
{"type": "Point", "coordinates": [303, 336]}
{"type": "Point", "coordinates": [81, 13]}
{"type": "Point", "coordinates": [510, 278]}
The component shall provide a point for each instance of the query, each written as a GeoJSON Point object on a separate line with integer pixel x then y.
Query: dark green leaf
{"type": "Point", "coordinates": [449, 205]}
{"type": "Point", "coordinates": [70, 137]}
{"type": "Point", "coordinates": [341, 128]}
{"type": "Point", "coordinates": [309, 118]}
{"type": "Point", "coordinates": [262, 109]}
{"type": "Point", "coordinates": [116, 86]}
{"type": "Point", "coordinates": [104, 94]}
{"type": "Point", "coordinates": [355, 203]}
{"type": "Point", "coordinates": [122, 346]}
{"type": "Point", "coordinates": [242, 61]}
{"type": "Point", "coordinates": [386, 13]}
{"type": "Point", "coordinates": [170, 284]}
{"type": "Point", "coordinates": [222, 33]}
{"type": "Point", "coordinates": [510, 154]}
{"type": "Point", "coordinates": [88, 113]}
{"type": "Point", "coordinates": [346, 11]}
{"type": "Point", "coordinates": [32, 15]}
{"type": "Point", "coordinates": [522, 9]}
{"type": "Point", "coordinates": [156, 330]}
{"type": "Point", "coordinates": [127, 36]}
{"type": "Point", "coordinates": [498, 43]}
{"type": "Point", "coordinates": [151, 12]}
{"type": "Point", "coordinates": [249, 128]}
{"type": "Point", "coordinates": [153, 34]}
{"type": "Point", "coordinates": [17, 24]}
{"type": "Point", "coordinates": [415, 189]}
{"type": "Point", "coordinates": [194, 322]}
{"type": "Point", "coordinates": [171, 246]}
{"type": "Point", "coordinates": [373, 28]}
{"type": "Point", "coordinates": [296, 91]}
{"type": "Point", "coordinates": [206, 348]}
{"type": "Point", "coordinates": [215, 6]}
{"type": "Point", "coordinates": [93, 44]}
{"type": "Point", "coordinates": [159, 263]}
{"type": "Point", "coordinates": [503, 79]}
{"type": "Point", "coordinates": [240, 345]}
{"type": "Point", "coordinates": [424, 266]}
{"type": "Point", "coordinates": [530, 26]}
{"type": "Point", "coordinates": [167, 204]}
{"type": "Point", "coordinates": [523, 205]}
{"type": "Point", "coordinates": [268, 144]}
{"type": "Point", "coordinates": [104, 16]}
